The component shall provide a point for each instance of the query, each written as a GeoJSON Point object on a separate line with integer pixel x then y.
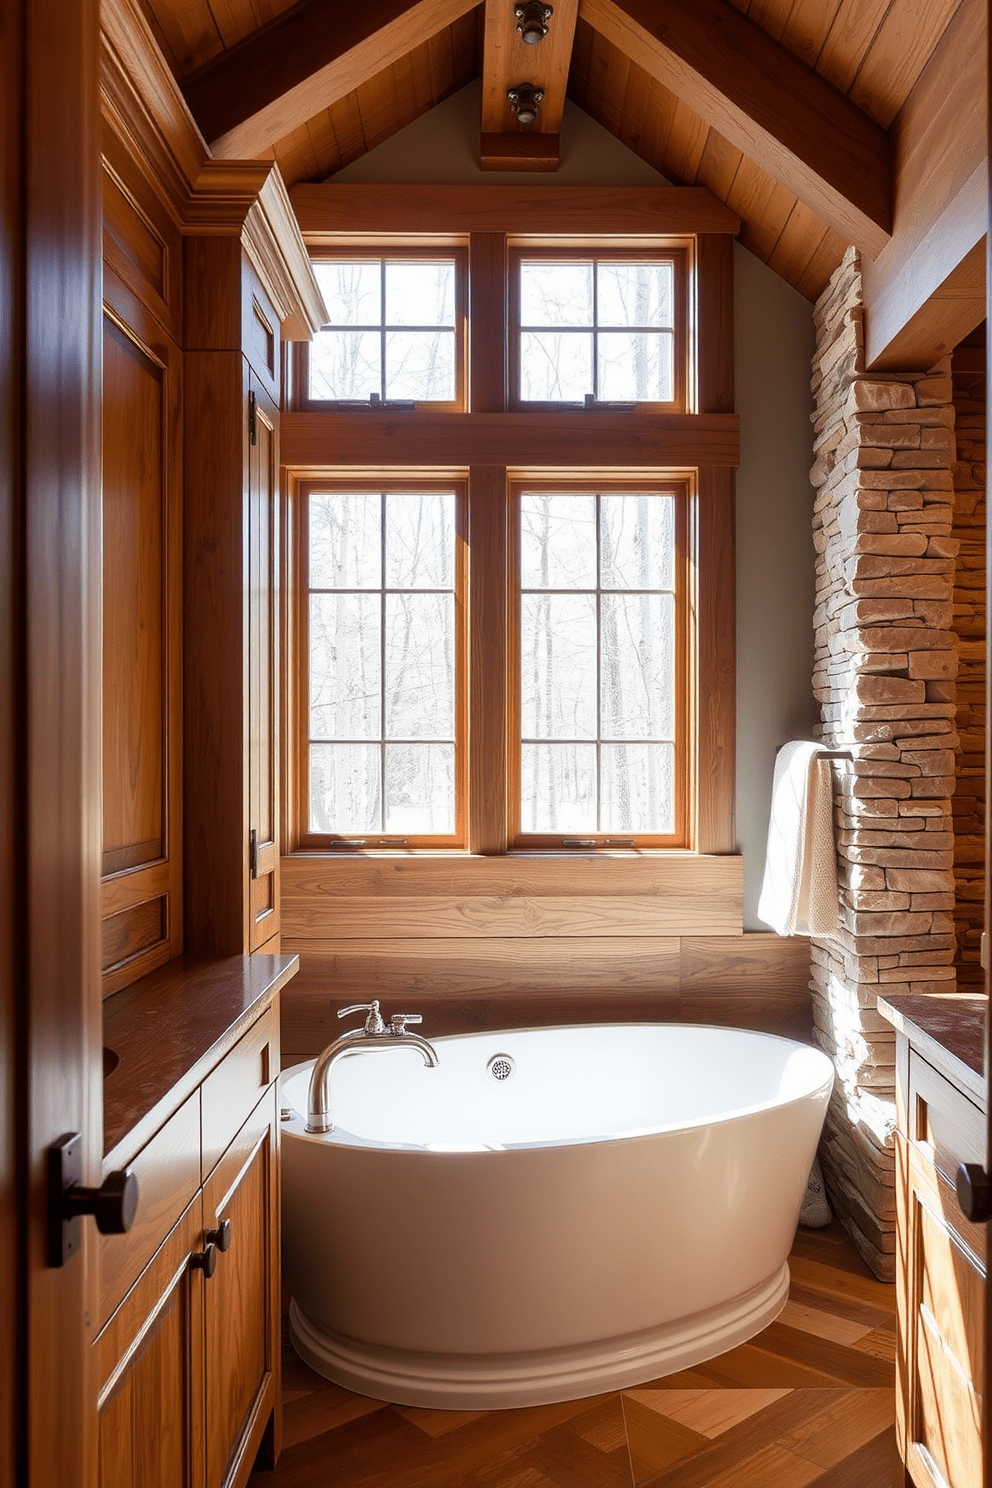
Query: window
{"type": "Point", "coordinates": [385, 643]}
{"type": "Point", "coordinates": [514, 582]}
{"type": "Point", "coordinates": [595, 329]}
{"type": "Point", "coordinates": [592, 746]}
{"type": "Point", "coordinates": [394, 333]}
{"type": "Point", "coordinates": [598, 680]}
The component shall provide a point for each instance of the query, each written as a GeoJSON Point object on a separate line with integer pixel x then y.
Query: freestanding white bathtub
{"type": "Point", "coordinates": [621, 1206]}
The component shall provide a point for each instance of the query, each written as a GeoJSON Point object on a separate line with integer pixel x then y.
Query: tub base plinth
{"type": "Point", "coordinates": [495, 1381]}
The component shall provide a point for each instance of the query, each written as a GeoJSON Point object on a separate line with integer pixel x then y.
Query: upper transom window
{"type": "Point", "coordinates": [394, 331]}
{"type": "Point", "coordinates": [596, 328]}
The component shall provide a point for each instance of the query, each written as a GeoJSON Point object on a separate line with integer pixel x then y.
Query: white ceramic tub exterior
{"type": "Point", "coordinates": [621, 1207]}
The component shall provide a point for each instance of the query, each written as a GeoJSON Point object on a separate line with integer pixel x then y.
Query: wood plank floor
{"type": "Point", "coordinates": [809, 1401]}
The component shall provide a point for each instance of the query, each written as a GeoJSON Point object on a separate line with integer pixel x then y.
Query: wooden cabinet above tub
{"type": "Point", "coordinates": [187, 1351]}
{"type": "Point", "coordinates": [942, 1258]}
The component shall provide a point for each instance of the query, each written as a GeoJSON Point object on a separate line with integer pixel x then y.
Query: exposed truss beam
{"type": "Point", "coordinates": [927, 289]}
{"type": "Point", "coordinates": [279, 77]}
{"type": "Point", "coordinates": [507, 61]}
{"type": "Point", "coordinates": [762, 99]}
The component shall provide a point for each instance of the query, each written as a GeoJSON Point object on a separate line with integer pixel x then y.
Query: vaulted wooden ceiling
{"type": "Point", "coordinates": [781, 108]}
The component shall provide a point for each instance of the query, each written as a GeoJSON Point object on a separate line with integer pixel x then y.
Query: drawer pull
{"type": "Point", "coordinates": [221, 1236]}
{"type": "Point", "coordinates": [205, 1260]}
{"type": "Point", "coordinates": [974, 1192]}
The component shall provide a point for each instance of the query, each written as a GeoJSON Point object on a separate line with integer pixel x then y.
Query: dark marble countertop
{"type": "Point", "coordinates": [948, 1029]}
{"type": "Point", "coordinates": [169, 1030]}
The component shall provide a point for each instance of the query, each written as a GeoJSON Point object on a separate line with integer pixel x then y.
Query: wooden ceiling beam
{"type": "Point", "coordinates": [926, 290]}
{"type": "Point", "coordinates": [507, 61]}
{"type": "Point", "coordinates": [783, 115]}
{"type": "Point", "coordinates": [328, 210]}
{"type": "Point", "coordinates": [259, 91]}
{"type": "Point", "coordinates": [314, 442]}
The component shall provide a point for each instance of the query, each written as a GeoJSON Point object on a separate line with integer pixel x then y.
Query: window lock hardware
{"type": "Point", "coordinates": [604, 405]}
{"type": "Point", "coordinates": [252, 421]}
{"type": "Point", "coordinates": [393, 405]}
{"type": "Point", "coordinates": [364, 842]}
{"type": "Point", "coordinates": [597, 842]}
{"type": "Point", "coordinates": [374, 402]}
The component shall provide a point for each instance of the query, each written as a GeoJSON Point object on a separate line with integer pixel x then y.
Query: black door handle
{"type": "Point", "coordinates": [113, 1205]}
{"type": "Point", "coordinates": [974, 1192]}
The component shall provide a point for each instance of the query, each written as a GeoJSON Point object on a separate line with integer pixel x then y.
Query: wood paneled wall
{"type": "Point", "coordinates": [476, 943]}
{"type": "Point", "coordinates": [141, 866]}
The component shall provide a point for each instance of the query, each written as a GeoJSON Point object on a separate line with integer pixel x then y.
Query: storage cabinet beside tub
{"type": "Point", "coordinates": [187, 1353]}
{"type": "Point", "coordinates": [940, 1277]}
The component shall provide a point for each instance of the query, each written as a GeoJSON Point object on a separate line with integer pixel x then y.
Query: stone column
{"type": "Point", "coordinates": [884, 674]}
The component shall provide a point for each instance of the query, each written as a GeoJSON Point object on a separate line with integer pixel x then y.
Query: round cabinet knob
{"type": "Point", "coordinates": [974, 1192]}
{"type": "Point", "coordinates": [113, 1205]}
{"type": "Point", "coordinates": [221, 1236]}
{"type": "Point", "coordinates": [205, 1260]}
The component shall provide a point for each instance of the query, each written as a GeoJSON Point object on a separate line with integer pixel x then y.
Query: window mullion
{"type": "Point", "coordinates": [491, 665]}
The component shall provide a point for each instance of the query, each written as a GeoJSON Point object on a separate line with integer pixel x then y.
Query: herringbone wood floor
{"type": "Point", "coordinates": [809, 1401]}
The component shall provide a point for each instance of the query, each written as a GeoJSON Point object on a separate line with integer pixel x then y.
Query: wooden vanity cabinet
{"type": "Point", "coordinates": [941, 1265]}
{"type": "Point", "coordinates": [232, 370]}
{"type": "Point", "coordinates": [149, 1363]}
{"type": "Point", "coordinates": [188, 1351]}
{"type": "Point", "coordinates": [241, 1321]}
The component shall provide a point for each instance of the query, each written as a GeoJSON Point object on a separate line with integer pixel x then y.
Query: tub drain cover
{"type": "Point", "coordinates": [500, 1067]}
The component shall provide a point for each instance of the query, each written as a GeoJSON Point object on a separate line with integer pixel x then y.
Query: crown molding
{"type": "Point", "coordinates": [143, 106]}
{"type": "Point", "coordinates": [248, 199]}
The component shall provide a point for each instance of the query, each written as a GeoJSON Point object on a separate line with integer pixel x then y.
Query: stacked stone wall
{"type": "Point", "coordinates": [969, 371]}
{"type": "Point", "coordinates": [886, 660]}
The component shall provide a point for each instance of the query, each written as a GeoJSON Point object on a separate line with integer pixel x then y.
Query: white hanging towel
{"type": "Point", "coordinates": [799, 892]}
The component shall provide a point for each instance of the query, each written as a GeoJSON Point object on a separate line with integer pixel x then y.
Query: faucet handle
{"type": "Point", "coordinates": [373, 1023]}
{"type": "Point", "coordinates": [398, 1022]}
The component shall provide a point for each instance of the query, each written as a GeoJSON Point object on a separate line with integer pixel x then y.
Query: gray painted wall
{"type": "Point", "coordinates": [774, 344]}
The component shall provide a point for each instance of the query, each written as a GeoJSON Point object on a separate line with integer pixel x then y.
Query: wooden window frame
{"type": "Point", "coordinates": [381, 841]}
{"type": "Point", "coordinates": [385, 252]}
{"type": "Point", "coordinates": [519, 840]}
{"type": "Point", "coordinates": [676, 251]}
{"type": "Point", "coordinates": [492, 446]}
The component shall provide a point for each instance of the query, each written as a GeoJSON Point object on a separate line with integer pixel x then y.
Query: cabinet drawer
{"type": "Point", "coordinates": [233, 1090]}
{"type": "Point", "coordinates": [944, 1126]}
{"type": "Point", "coordinates": [168, 1170]}
{"type": "Point", "coordinates": [948, 1330]}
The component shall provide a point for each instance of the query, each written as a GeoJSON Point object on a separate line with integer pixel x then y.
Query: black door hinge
{"type": "Point", "coordinates": [252, 424]}
{"type": "Point", "coordinates": [253, 853]}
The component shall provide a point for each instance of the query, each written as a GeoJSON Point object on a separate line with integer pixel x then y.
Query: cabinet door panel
{"type": "Point", "coordinates": [240, 1313]}
{"type": "Point", "coordinates": [263, 646]}
{"type": "Point", "coordinates": [150, 1363]}
{"type": "Point", "coordinates": [942, 1337]}
{"type": "Point", "coordinates": [142, 663]}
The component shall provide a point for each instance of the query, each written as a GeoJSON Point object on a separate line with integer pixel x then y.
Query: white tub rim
{"type": "Point", "coordinates": [295, 1125]}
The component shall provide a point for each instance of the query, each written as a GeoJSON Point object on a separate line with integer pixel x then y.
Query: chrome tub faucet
{"type": "Point", "coordinates": [375, 1034]}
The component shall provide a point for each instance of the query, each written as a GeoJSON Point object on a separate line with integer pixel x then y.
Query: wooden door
{"type": "Point", "coordinates": [57, 709]}
{"type": "Point", "coordinates": [987, 938]}
{"type": "Point", "coordinates": [241, 1307]}
{"type": "Point", "coordinates": [150, 1365]}
{"type": "Point", "coordinates": [262, 715]}
{"type": "Point", "coordinates": [11, 819]}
